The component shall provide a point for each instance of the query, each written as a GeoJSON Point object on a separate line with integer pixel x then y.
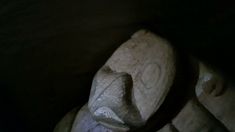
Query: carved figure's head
{"type": "Point", "coordinates": [133, 83]}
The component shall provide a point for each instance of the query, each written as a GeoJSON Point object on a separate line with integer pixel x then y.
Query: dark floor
{"type": "Point", "coordinates": [50, 50]}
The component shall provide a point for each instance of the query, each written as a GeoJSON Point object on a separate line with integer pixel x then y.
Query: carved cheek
{"type": "Point", "coordinates": [210, 84]}
{"type": "Point", "coordinates": [147, 92]}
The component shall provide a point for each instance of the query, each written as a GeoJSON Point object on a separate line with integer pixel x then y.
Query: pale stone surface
{"type": "Point", "coordinates": [85, 123]}
{"type": "Point", "coordinates": [195, 118]}
{"type": "Point", "coordinates": [134, 82]}
{"type": "Point", "coordinates": [217, 96]}
{"type": "Point", "coordinates": [81, 121]}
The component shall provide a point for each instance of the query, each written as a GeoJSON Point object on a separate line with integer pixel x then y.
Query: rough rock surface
{"type": "Point", "coordinates": [168, 128]}
{"type": "Point", "coordinates": [217, 96]}
{"type": "Point", "coordinates": [194, 118]}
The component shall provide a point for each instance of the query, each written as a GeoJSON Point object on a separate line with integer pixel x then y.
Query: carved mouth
{"type": "Point", "coordinates": [108, 118]}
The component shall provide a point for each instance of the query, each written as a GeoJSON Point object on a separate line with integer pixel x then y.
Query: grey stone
{"type": "Point", "coordinates": [217, 96]}
{"type": "Point", "coordinates": [134, 82]}
{"type": "Point", "coordinates": [85, 123]}
{"type": "Point", "coordinates": [81, 121]}
{"type": "Point", "coordinates": [195, 118]}
{"type": "Point", "coordinates": [66, 122]}
{"type": "Point", "coordinates": [168, 128]}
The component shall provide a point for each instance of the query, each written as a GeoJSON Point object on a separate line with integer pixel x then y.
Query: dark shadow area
{"type": "Point", "coordinates": [50, 50]}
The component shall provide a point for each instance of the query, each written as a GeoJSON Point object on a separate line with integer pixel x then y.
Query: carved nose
{"type": "Point", "coordinates": [110, 102]}
{"type": "Point", "coordinates": [110, 95]}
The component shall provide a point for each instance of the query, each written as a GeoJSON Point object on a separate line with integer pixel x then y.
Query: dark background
{"type": "Point", "coordinates": [50, 50]}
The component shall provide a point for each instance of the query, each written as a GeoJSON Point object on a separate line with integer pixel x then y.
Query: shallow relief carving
{"type": "Point", "coordinates": [217, 95]}
{"type": "Point", "coordinates": [134, 83]}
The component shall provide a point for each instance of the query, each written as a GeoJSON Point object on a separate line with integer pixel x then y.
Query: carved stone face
{"type": "Point", "coordinates": [133, 83]}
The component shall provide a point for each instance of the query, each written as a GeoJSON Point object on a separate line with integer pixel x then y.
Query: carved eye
{"type": "Point", "coordinates": [151, 75]}
{"type": "Point", "coordinates": [214, 86]}
{"type": "Point", "coordinates": [210, 84]}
